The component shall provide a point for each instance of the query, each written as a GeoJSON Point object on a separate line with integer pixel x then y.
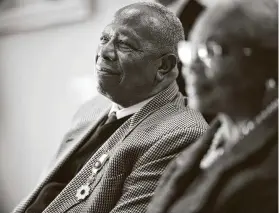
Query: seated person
{"type": "Point", "coordinates": [121, 142]}
{"type": "Point", "coordinates": [230, 68]}
{"type": "Point", "coordinates": [187, 11]}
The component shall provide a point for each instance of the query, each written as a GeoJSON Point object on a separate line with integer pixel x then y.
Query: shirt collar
{"type": "Point", "coordinates": [123, 112]}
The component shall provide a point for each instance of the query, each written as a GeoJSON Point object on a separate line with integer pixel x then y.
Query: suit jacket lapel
{"type": "Point", "coordinates": [68, 196]}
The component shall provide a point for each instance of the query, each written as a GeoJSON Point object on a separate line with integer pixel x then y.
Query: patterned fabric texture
{"type": "Point", "coordinates": [139, 152]}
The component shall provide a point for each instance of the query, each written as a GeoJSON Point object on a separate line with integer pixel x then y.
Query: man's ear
{"type": "Point", "coordinates": [166, 64]}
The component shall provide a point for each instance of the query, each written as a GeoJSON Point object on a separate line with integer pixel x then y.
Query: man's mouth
{"type": "Point", "coordinates": [105, 70]}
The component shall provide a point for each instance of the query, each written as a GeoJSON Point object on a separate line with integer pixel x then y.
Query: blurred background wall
{"type": "Point", "coordinates": [45, 75]}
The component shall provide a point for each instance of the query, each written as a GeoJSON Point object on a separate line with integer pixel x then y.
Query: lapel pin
{"type": "Point", "coordinates": [100, 163]}
{"type": "Point", "coordinates": [83, 191]}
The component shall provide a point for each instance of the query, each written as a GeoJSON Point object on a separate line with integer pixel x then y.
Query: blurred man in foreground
{"type": "Point", "coordinates": [112, 158]}
{"type": "Point", "coordinates": [231, 68]}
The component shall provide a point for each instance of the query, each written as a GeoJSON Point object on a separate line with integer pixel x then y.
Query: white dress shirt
{"type": "Point", "coordinates": [123, 112]}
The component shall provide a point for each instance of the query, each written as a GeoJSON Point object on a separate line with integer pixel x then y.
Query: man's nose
{"type": "Point", "coordinates": [107, 51]}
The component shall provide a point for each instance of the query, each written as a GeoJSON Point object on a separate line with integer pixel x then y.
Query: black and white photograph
{"type": "Point", "coordinates": [138, 106]}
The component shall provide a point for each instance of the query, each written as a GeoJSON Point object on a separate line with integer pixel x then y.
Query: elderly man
{"type": "Point", "coordinates": [118, 147]}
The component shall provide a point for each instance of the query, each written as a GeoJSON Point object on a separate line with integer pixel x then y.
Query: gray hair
{"type": "Point", "coordinates": [168, 32]}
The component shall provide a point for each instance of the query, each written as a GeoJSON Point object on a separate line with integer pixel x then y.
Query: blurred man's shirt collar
{"type": "Point", "coordinates": [123, 112]}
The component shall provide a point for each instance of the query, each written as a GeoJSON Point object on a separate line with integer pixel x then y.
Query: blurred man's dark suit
{"type": "Point", "coordinates": [243, 180]}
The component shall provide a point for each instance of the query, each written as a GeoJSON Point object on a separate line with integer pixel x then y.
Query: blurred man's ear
{"type": "Point", "coordinates": [165, 65]}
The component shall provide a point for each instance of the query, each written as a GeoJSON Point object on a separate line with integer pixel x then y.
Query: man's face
{"type": "Point", "coordinates": [219, 76]}
{"type": "Point", "coordinates": [125, 63]}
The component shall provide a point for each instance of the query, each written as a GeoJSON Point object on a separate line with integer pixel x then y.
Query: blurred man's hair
{"type": "Point", "coordinates": [251, 23]}
{"type": "Point", "coordinates": [247, 21]}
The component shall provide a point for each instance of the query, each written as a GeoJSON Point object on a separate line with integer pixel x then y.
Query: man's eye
{"type": "Point", "coordinates": [104, 39]}
{"type": "Point", "coordinates": [124, 44]}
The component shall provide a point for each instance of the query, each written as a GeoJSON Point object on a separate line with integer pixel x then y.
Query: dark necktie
{"type": "Point", "coordinates": [111, 118]}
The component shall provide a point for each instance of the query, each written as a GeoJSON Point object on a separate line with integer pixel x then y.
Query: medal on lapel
{"type": "Point", "coordinates": [83, 191]}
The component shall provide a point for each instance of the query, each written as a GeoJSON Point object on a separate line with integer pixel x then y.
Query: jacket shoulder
{"type": "Point", "coordinates": [94, 105]}
{"type": "Point", "coordinates": [172, 117]}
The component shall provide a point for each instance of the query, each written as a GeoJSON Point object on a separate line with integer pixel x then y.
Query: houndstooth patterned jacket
{"type": "Point", "coordinates": [139, 152]}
